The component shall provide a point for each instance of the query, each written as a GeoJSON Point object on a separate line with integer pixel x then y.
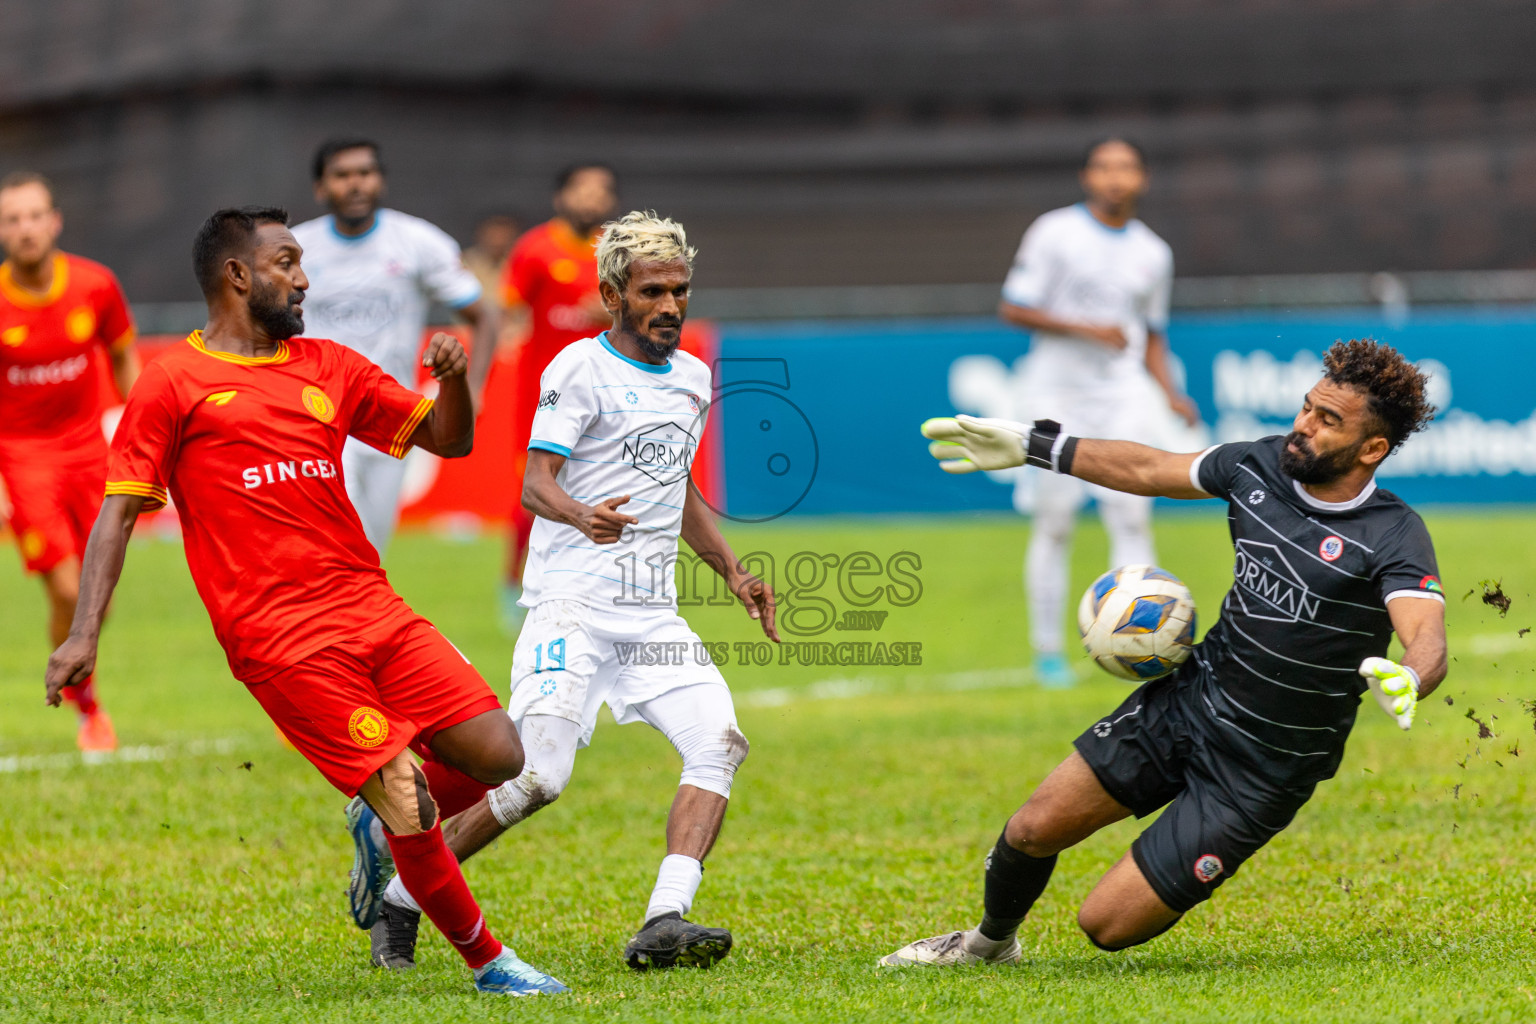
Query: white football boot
{"type": "Point", "coordinates": [949, 950]}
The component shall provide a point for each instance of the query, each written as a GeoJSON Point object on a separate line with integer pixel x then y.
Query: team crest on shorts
{"type": "Point", "coordinates": [368, 727]}
{"type": "Point", "coordinates": [319, 404]}
{"type": "Point", "coordinates": [1331, 548]}
{"type": "Point", "coordinates": [1208, 867]}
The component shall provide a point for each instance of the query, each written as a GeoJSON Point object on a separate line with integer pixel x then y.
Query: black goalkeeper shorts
{"type": "Point", "coordinates": [1149, 752]}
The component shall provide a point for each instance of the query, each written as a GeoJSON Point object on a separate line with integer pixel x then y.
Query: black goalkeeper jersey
{"type": "Point", "coordinates": [1277, 675]}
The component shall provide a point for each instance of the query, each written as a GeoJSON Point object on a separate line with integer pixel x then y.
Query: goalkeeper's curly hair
{"type": "Point", "coordinates": [1394, 386]}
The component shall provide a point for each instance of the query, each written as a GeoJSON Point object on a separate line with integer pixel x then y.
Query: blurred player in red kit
{"type": "Point", "coordinates": [55, 310]}
{"type": "Point", "coordinates": [244, 424]}
{"type": "Point", "coordinates": [552, 273]}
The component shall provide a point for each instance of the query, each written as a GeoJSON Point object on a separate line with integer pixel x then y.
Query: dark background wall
{"type": "Point", "coordinates": [803, 143]}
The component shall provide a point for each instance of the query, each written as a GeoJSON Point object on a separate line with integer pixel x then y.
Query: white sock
{"type": "Point", "coordinates": [397, 894]}
{"type": "Point", "coordinates": [676, 883]}
{"type": "Point", "coordinates": [978, 944]}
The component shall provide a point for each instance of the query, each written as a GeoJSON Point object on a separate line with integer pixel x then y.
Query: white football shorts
{"type": "Point", "coordinates": [571, 658]}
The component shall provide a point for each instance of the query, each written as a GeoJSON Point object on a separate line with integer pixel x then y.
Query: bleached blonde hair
{"type": "Point", "coordinates": [640, 236]}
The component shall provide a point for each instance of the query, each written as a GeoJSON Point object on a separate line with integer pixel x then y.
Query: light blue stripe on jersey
{"type": "Point", "coordinates": [610, 579]}
{"type": "Point", "coordinates": [615, 494]}
{"type": "Point", "coordinates": [550, 446]}
{"type": "Point", "coordinates": [648, 387]}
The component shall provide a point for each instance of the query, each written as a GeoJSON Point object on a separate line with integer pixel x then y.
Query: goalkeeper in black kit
{"type": "Point", "coordinates": [1328, 566]}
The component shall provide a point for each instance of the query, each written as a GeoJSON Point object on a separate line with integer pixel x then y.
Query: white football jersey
{"type": "Point", "coordinates": [372, 293]}
{"type": "Point", "coordinates": [625, 427]}
{"type": "Point", "coordinates": [1074, 267]}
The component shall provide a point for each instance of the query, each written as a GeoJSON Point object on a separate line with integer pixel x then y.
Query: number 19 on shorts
{"type": "Point", "coordinates": [554, 651]}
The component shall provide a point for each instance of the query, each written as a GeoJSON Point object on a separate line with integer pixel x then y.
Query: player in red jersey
{"type": "Point", "coordinates": [56, 309]}
{"type": "Point", "coordinates": [244, 425]}
{"type": "Point", "coordinates": [552, 273]}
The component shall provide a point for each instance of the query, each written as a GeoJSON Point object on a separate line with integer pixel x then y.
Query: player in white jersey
{"type": "Point", "coordinates": [373, 276]}
{"type": "Point", "coordinates": [1091, 283]}
{"type": "Point", "coordinates": [619, 421]}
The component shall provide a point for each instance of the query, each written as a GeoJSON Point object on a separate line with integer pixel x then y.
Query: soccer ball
{"type": "Point", "coordinates": [1137, 622]}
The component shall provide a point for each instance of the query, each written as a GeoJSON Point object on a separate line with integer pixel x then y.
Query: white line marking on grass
{"type": "Point", "coordinates": [1497, 643]}
{"type": "Point", "coordinates": [123, 755]}
{"type": "Point", "coordinates": [843, 688]}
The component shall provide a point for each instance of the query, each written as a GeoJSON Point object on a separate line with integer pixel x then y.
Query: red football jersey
{"type": "Point", "coordinates": [250, 448]}
{"type": "Point", "coordinates": [48, 386]}
{"type": "Point", "coordinates": [553, 271]}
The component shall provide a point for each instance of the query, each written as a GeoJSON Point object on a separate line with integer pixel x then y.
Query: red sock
{"type": "Point", "coordinates": [431, 874]}
{"type": "Point", "coordinates": [83, 695]}
{"type": "Point", "coordinates": [452, 789]}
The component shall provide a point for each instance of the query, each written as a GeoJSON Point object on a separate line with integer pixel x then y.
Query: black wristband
{"type": "Point", "coordinates": [1048, 449]}
{"type": "Point", "coordinates": [1042, 439]}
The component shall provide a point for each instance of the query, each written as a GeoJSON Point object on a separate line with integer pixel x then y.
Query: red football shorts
{"type": "Point", "coordinates": [55, 504]}
{"type": "Point", "coordinates": [351, 707]}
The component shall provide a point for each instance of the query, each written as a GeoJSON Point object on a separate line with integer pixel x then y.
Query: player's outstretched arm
{"type": "Point", "coordinates": [544, 497]}
{"type": "Point", "coordinates": [964, 444]}
{"type": "Point", "coordinates": [702, 534]}
{"type": "Point", "coordinates": [449, 429]}
{"type": "Point", "coordinates": [104, 552]}
{"type": "Point", "coordinates": [1419, 623]}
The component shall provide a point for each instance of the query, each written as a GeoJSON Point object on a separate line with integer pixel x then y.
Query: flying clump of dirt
{"type": "Point", "coordinates": [1494, 597]}
{"type": "Point", "coordinates": [1483, 732]}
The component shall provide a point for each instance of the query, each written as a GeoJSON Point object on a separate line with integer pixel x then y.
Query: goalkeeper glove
{"type": "Point", "coordinates": [965, 444]}
{"type": "Point", "coordinates": [1395, 687]}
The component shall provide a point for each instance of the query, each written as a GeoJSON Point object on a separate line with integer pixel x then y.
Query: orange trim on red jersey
{"type": "Point", "coordinates": [155, 497]}
{"type": "Point", "coordinates": [195, 339]}
{"type": "Point", "coordinates": [124, 340]}
{"type": "Point", "coordinates": [563, 235]}
{"type": "Point", "coordinates": [402, 441]}
{"type": "Point", "coordinates": [30, 299]}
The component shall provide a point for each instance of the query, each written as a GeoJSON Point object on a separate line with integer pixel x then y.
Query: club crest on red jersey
{"type": "Point", "coordinates": [319, 404]}
{"type": "Point", "coordinates": [1331, 548]}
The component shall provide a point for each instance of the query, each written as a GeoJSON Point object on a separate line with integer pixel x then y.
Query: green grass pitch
{"type": "Point", "coordinates": [200, 876]}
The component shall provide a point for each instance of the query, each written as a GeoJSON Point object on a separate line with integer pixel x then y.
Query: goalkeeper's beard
{"type": "Point", "coordinates": [1308, 466]}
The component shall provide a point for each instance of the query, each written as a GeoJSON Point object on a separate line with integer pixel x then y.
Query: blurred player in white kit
{"type": "Point", "coordinates": [1091, 283]}
{"type": "Point", "coordinates": [373, 276]}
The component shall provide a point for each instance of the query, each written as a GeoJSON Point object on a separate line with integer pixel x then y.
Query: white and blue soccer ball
{"type": "Point", "coordinates": [1137, 622]}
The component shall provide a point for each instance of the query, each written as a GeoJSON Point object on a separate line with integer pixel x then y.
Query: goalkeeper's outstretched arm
{"type": "Point", "coordinates": [964, 444]}
{"type": "Point", "coordinates": [1136, 468]}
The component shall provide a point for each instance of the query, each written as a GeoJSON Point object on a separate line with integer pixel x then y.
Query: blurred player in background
{"type": "Point", "coordinates": [56, 309]}
{"type": "Point", "coordinates": [1091, 284]}
{"type": "Point", "coordinates": [552, 275]}
{"type": "Point", "coordinates": [374, 273]}
{"type": "Point", "coordinates": [599, 510]}
{"type": "Point", "coordinates": [487, 256]}
{"type": "Point", "coordinates": [244, 424]}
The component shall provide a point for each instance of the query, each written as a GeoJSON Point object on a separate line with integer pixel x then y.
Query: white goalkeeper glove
{"type": "Point", "coordinates": [1395, 687]}
{"type": "Point", "coordinates": [964, 444]}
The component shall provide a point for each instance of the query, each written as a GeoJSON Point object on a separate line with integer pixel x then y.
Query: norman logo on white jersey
{"type": "Point", "coordinates": [1263, 573]}
{"type": "Point", "coordinates": [282, 472]}
{"type": "Point", "coordinates": [664, 453]}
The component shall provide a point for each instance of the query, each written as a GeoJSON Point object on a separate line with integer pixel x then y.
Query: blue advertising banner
{"type": "Point", "coordinates": [821, 418]}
